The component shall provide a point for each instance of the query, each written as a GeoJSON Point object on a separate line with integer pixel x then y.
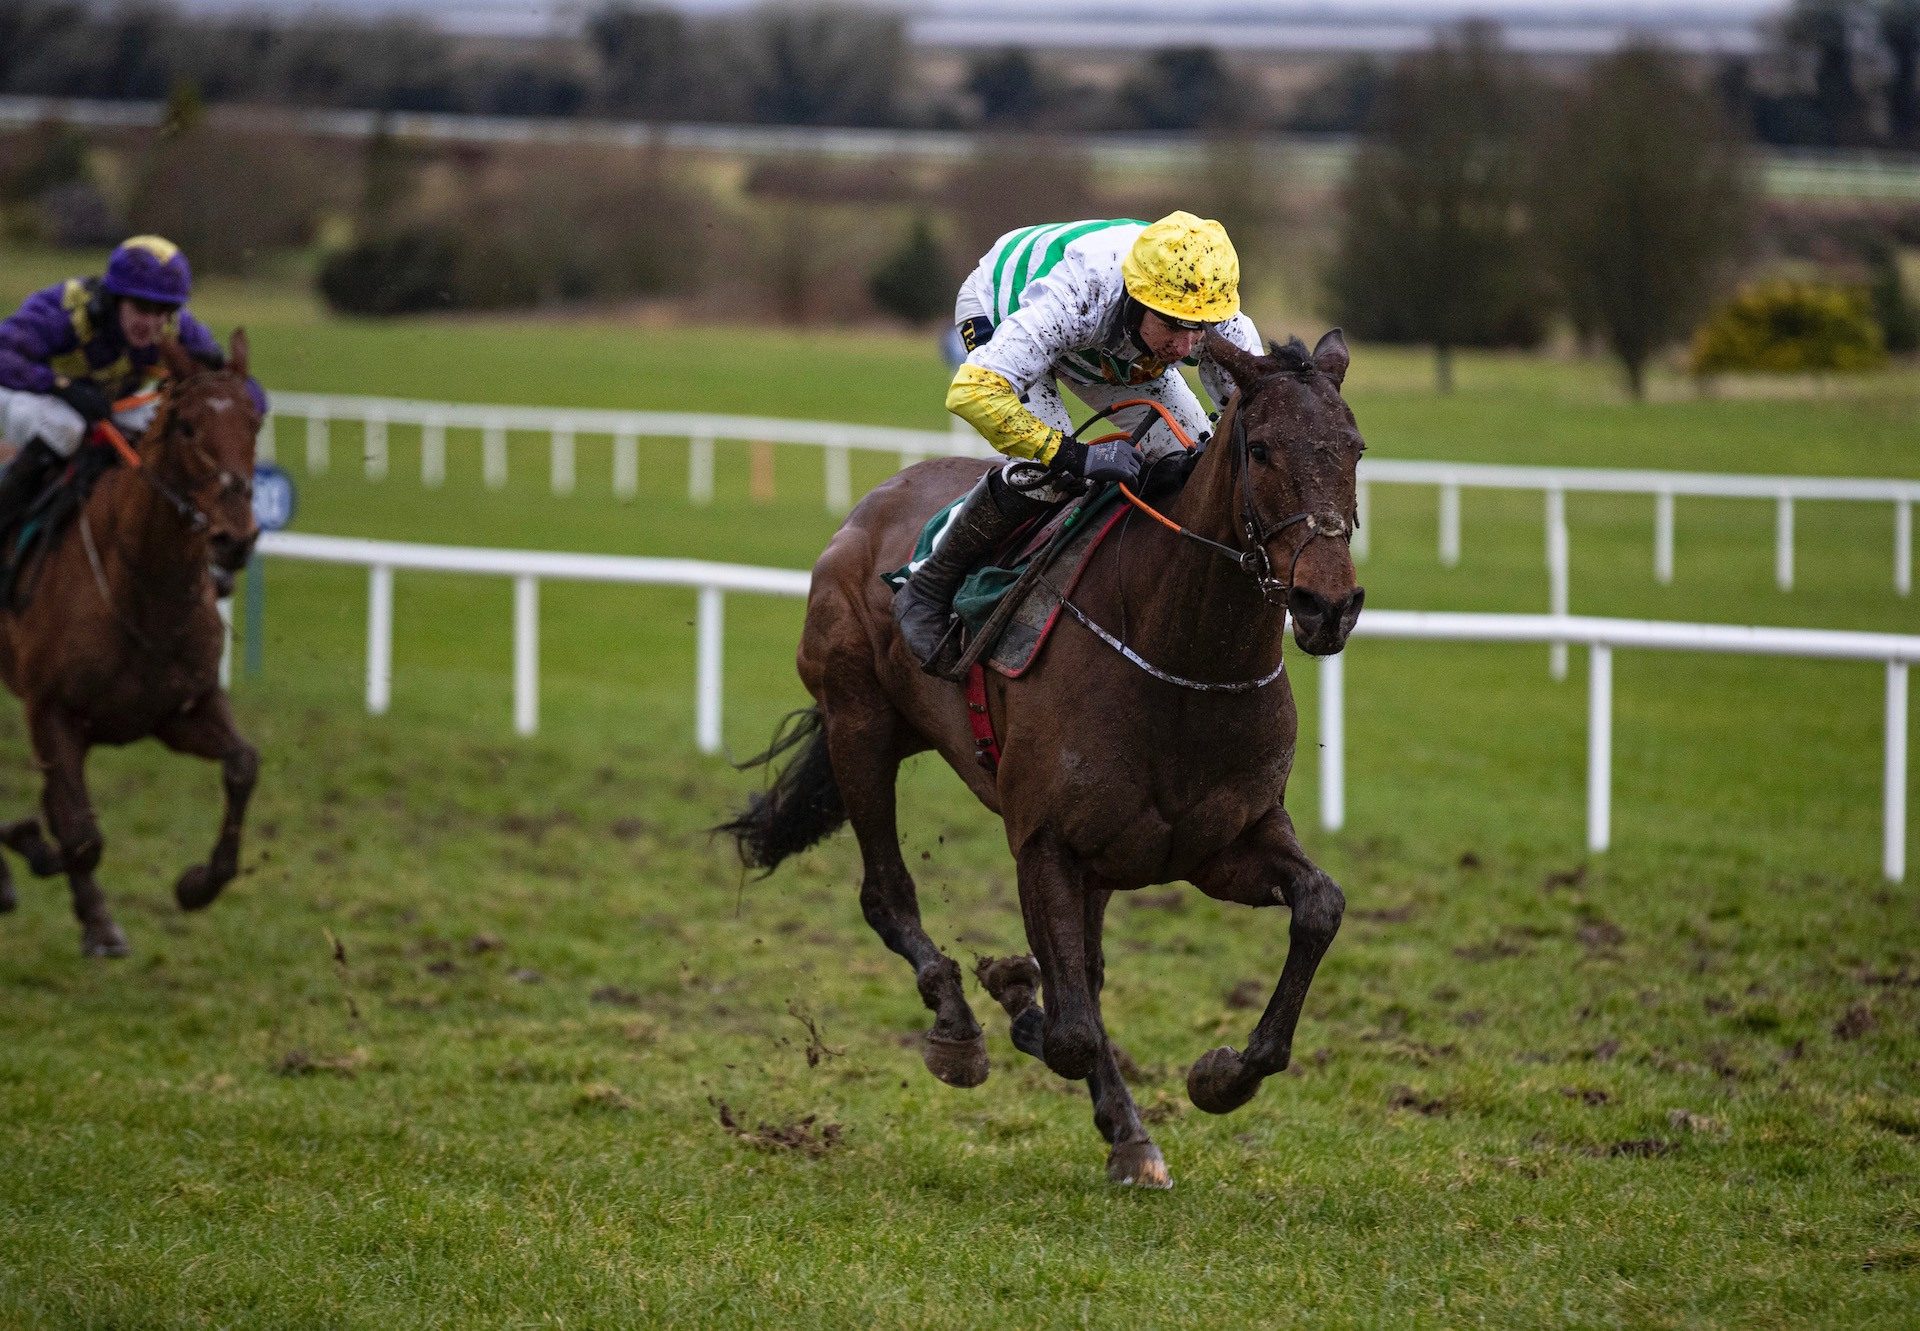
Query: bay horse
{"type": "Point", "coordinates": [120, 637]}
{"type": "Point", "coordinates": [1116, 772]}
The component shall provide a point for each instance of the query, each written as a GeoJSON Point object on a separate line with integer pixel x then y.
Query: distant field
{"type": "Point", "coordinates": [1669, 1086]}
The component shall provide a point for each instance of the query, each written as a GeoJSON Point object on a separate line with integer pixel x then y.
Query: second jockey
{"type": "Point", "coordinates": [75, 348]}
{"type": "Point", "coordinates": [1110, 308]}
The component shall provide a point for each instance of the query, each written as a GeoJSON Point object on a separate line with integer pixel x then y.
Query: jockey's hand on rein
{"type": "Point", "coordinates": [1118, 461]}
{"type": "Point", "coordinates": [85, 397]}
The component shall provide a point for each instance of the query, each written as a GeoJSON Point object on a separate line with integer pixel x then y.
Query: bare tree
{"type": "Point", "coordinates": [1435, 247]}
{"type": "Point", "coordinates": [1646, 201]}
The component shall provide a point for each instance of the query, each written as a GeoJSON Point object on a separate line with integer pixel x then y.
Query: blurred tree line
{"type": "Point", "coordinates": [1488, 205]}
{"type": "Point", "coordinates": [1832, 73]}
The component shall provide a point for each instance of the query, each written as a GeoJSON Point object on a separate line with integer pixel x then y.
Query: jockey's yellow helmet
{"type": "Point", "coordinates": [1184, 267]}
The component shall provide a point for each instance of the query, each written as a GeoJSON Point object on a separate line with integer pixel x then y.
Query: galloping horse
{"type": "Point", "coordinates": [121, 638]}
{"type": "Point", "coordinates": [1118, 771]}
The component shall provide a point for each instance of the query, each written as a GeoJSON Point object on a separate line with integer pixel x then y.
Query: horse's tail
{"type": "Point", "coordinates": [800, 807]}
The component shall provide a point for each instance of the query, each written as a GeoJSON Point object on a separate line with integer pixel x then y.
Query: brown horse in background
{"type": "Point", "coordinates": [121, 637]}
{"type": "Point", "coordinates": [1114, 774]}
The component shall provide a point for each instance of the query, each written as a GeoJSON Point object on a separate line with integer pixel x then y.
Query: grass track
{"type": "Point", "coordinates": [1484, 1062]}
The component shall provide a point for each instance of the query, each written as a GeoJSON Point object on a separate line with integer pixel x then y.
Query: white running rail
{"type": "Point", "coordinates": [563, 426]}
{"type": "Point", "coordinates": [1602, 637]}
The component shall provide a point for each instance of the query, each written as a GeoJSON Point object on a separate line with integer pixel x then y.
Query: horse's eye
{"type": "Point", "coordinates": [1258, 452]}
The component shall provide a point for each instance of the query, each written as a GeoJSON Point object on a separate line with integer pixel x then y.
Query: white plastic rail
{"type": "Point", "coordinates": [1601, 636]}
{"type": "Point", "coordinates": [562, 425]}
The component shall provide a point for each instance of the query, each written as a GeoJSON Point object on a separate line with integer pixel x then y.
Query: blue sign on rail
{"type": "Point", "coordinates": [273, 497]}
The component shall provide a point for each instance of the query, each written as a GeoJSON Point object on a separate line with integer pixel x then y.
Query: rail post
{"type": "Point", "coordinates": [1333, 742]}
{"type": "Point", "coordinates": [1557, 560]}
{"type": "Point", "coordinates": [493, 454]}
{"type": "Point", "coordinates": [317, 442]}
{"type": "Point", "coordinates": [626, 465]}
{"type": "Point", "coordinates": [433, 452]}
{"type": "Point", "coordinates": [1663, 537]}
{"type": "Point", "coordinates": [1449, 523]}
{"type": "Point", "coordinates": [379, 638]}
{"type": "Point", "coordinates": [700, 469]}
{"type": "Point", "coordinates": [561, 466]}
{"type": "Point", "coordinates": [1903, 546]}
{"type": "Point", "coordinates": [707, 671]}
{"type": "Point", "coordinates": [1783, 543]}
{"type": "Point", "coordinates": [839, 478]}
{"type": "Point", "coordinates": [1599, 746]}
{"type": "Point", "coordinates": [1894, 856]}
{"type": "Point", "coordinates": [526, 654]}
{"type": "Point", "coordinates": [374, 446]}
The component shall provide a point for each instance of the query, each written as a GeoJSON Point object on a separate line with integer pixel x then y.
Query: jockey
{"type": "Point", "coordinates": [75, 348]}
{"type": "Point", "coordinates": [1112, 308]}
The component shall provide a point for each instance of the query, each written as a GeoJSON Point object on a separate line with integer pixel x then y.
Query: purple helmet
{"type": "Point", "coordinates": [149, 268]}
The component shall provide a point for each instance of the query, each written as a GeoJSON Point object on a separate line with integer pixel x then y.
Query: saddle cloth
{"type": "Point", "coordinates": [46, 518]}
{"type": "Point", "coordinates": [1065, 541]}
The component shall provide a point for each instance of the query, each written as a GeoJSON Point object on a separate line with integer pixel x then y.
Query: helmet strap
{"type": "Point", "coordinates": [1132, 314]}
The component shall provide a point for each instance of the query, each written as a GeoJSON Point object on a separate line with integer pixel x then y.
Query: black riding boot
{"type": "Point", "coordinates": [23, 480]}
{"type": "Point", "coordinates": [992, 512]}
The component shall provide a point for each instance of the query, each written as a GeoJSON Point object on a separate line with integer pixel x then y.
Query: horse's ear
{"type": "Point", "coordinates": [1242, 366]}
{"type": "Point", "coordinates": [178, 360]}
{"type": "Point", "coordinates": [237, 352]}
{"type": "Point", "coordinates": [1331, 357]}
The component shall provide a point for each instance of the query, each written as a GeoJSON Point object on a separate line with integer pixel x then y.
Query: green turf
{"type": "Point", "coordinates": [1673, 1085]}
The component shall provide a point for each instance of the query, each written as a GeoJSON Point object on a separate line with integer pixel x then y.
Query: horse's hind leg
{"type": "Point", "coordinates": [26, 839]}
{"type": "Point", "coordinates": [864, 743]}
{"type": "Point", "coordinates": [62, 755]}
{"type": "Point", "coordinates": [207, 731]}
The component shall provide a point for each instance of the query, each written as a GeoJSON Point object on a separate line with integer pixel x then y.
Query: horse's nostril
{"type": "Point", "coordinates": [1307, 605]}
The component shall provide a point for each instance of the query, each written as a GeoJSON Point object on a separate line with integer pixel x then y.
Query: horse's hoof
{"type": "Point", "coordinates": [961, 1063]}
{"type": "Point", "coordinates": [103, 940]}
{"type": "Point", "coordinates": [1138, 1165]}
{"type": "Point", "coordinates": [1218, 1082]}
{"type": "Point", "coordinates": [1012, 982]}
{"type": "Point", "coordinates": [197, 888]}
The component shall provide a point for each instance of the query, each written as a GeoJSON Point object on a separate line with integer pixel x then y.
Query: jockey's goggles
{"type": "Point", "coordinates": [150, 306]}
{"type": "Point", "coordinates": [1185, 325]}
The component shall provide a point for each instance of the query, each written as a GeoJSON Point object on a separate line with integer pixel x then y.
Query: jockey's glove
{"type": "Point", "coordinates": [85, 397]}
{"type": "Point", "coordinates": [1118, 461]}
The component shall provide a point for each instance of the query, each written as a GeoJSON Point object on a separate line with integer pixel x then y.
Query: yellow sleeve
{"type": "Point", "coordinates": [987, 402]}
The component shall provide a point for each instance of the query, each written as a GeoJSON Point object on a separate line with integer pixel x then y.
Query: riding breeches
{"type": "Point", "coordinates": [1170, 390]}
{"type": "Point", "coordinates": [25, 417]}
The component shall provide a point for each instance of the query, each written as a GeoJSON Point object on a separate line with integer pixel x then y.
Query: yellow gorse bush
{"type": "Point", "coordinates": [1787, 326]}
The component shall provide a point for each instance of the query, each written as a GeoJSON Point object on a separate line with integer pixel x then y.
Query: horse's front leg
{"type": "Point", "coordinates": [60, 748]}
{"type": "Point", "coordinates": [1263, 868]}
{"type": "Point", "coordinates": [207, 731]}
{"type": "Point", "coordinates": [1053, 888]}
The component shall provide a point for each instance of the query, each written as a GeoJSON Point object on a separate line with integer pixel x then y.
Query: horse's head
{"type": "Point", "coordinates": [201, 448]}
{"type": "Point", "coordinates": [1295, 448]}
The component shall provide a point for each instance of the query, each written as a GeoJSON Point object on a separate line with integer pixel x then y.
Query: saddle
{"type": "Point", "coordinates": [24, 547]}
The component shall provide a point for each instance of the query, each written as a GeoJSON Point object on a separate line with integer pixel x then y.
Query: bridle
{"type": "Point", "coordinates": [189, 512]}
{"type": "Point", "coordinates": [1255, 560]}
{"type": "Point", "coordinates": [1252, 558]}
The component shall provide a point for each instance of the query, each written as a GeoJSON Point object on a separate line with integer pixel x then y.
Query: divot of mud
{"type": "Point", "coordinates": [806, 1135]}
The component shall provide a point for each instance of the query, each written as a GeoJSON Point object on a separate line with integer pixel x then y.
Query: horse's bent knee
{"type": "Point", "coordinates": [1318, 905]}
{"type": "Point", "coordinates": [241, 766]}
